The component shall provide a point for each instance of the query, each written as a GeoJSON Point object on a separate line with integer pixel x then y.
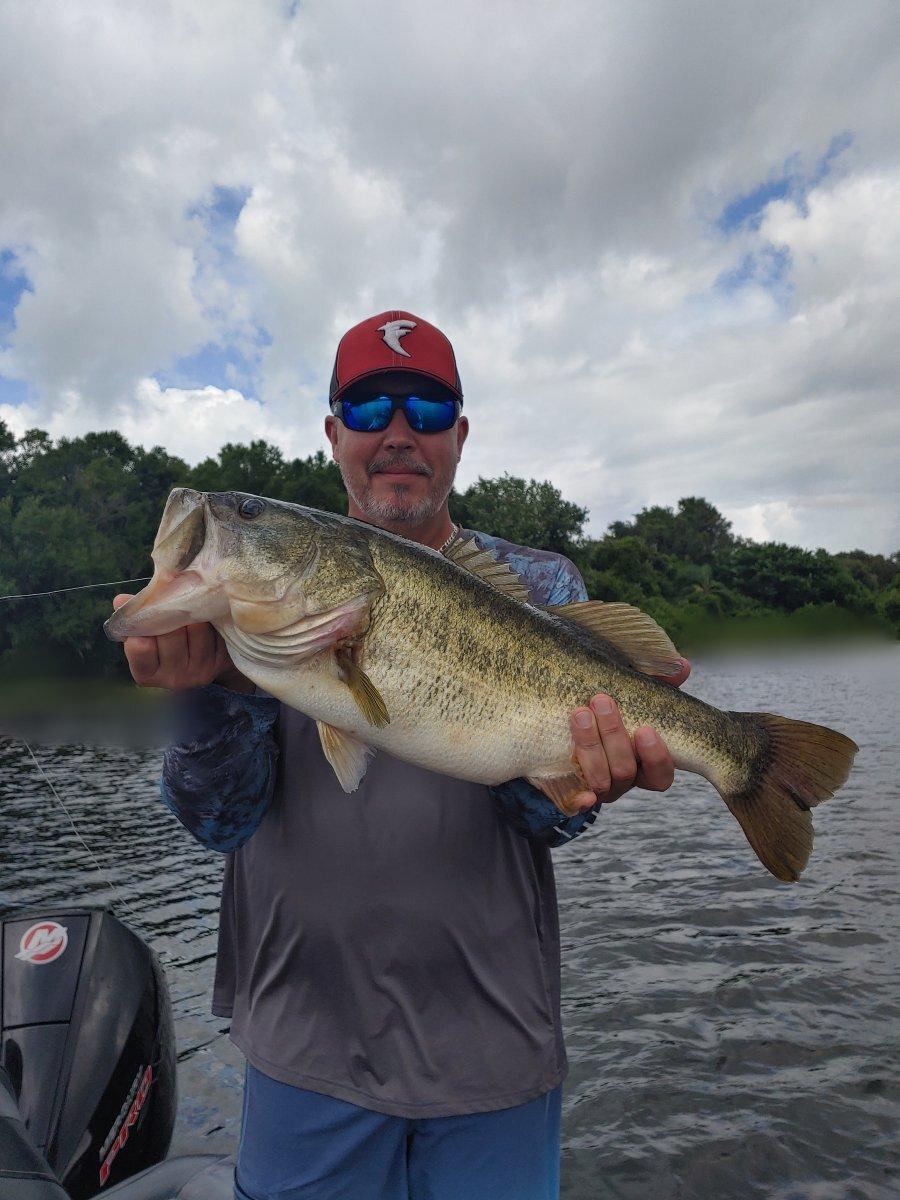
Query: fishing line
{"type": "Point", "coordinates": [80, 588]}
{"type": "Point", "coordinates": [109, 883]}
{"type": "Point", "coordinates": [161, 953]}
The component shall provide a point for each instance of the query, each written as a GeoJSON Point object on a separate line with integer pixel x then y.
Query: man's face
{"type": "Point", "coordinates": [396, 476]}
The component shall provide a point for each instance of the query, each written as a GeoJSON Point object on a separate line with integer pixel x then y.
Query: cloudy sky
{"type": "Point", "coordinates": [663, 237]}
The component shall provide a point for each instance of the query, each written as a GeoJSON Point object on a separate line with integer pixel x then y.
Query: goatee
{"type": "Point", "coordinates": [398, 509]}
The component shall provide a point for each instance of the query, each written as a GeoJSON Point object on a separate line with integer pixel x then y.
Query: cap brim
{"type": "Point", "coordinates": [452, 391]}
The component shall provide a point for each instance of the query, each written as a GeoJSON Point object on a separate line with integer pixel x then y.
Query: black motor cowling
{"type": "Point", "coordinates": [87, 1047]}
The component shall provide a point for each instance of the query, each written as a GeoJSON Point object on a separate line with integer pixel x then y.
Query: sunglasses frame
{"type": "Point", "coordinates": [397, 402]}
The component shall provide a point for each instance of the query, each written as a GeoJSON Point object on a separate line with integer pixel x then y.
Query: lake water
{"type": "Point", "coordinates": [729, 1036]}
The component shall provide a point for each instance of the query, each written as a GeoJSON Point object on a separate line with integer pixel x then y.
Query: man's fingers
{"type": "Point", "coordinates": [140, 652]}
{"type": "Point", "coordinates": [187, 657]}
{"type": "Point", "coordinates": [173, 653]}
{"type": "Point", "coordinates": [201, 646]}
{"type": "Point", "coordinates": [589, 749]}
{"type": "Point", "coordinates": [223, 658]}
{"type": "Point", "coordinates": [143, 659]}
{"type": "Point", "coordinates": [657, 770]}
{"type": "Point", "coordinates": [603, 750]}
{"type": "Point", "coordinates": [616, 743]}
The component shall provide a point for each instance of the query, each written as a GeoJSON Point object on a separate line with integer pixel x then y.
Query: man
{"type": "Point", "coordinates": [389, 959]}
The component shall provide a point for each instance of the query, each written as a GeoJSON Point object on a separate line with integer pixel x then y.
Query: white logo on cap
{"type": "Point", "coordinates": [393, 331]}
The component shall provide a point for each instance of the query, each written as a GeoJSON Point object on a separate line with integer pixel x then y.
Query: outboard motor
{"type": "Point", "coordinates": [87, 1063]}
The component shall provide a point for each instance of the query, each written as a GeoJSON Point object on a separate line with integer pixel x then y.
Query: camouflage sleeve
{"type": "Point", "coordinates": [219, 774]}
{"type": "Point", "coordinates": [521, 804]}
{"type": "Point", "coordinates": [568, 586]}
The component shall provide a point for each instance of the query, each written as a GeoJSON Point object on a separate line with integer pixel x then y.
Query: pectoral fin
{"type": "Point", "coordinates": [363, 690]}
{"type": "Point", "coordinates": [347, 754]}
{"type": "Point", "coordinates": [635, 633]}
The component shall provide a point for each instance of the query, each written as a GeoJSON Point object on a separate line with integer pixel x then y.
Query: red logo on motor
{"type": "Point", "coordinates": [43, 942]}
{"type": "Point", "coordinates": [128, 1121]}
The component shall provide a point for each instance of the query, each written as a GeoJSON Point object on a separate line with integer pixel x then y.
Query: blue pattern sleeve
{"type": "Point", "coordinates": [535, 816]}
{"type": "Point", "coordinates": [219, 774]}
{"type": "Point", "coordinates": [551, 579]}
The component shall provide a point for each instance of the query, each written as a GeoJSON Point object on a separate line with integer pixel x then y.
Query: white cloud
{"type": "Point", "coordinates": [543, 181]}
{"type": "Point", "coordinates": [181, 419]}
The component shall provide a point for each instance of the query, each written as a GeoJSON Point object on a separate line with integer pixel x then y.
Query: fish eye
{"type": "Point", "coordinates": [251, 507]}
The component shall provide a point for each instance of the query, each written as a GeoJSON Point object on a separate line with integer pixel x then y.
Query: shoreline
{"type": "Point", "coordinates": [116, 709]}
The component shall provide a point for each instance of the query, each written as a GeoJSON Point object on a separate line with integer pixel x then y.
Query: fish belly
{"type": "Point", "coordinates": [448, 738]}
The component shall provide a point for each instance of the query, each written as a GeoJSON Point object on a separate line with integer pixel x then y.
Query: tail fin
{"type": "Point", "coordinates": [805, 765]}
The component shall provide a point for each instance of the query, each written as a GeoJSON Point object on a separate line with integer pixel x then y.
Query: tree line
{"type": "Point", "coordinates": [85, 510]}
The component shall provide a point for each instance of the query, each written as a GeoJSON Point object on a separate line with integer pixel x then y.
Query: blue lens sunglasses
{"type": "Point", "coordinates": [373, 413]}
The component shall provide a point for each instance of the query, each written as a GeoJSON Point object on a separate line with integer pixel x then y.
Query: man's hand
{"type": "Point", "coordinates": [186, 658]}
{"type": "Point", "coordinates": [611, 763]}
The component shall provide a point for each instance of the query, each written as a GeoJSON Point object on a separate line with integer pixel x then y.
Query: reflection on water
{"type": "Point", "coordinates": [729, 1036]}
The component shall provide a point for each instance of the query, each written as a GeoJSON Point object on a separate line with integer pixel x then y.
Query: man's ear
{"type": "Point", "coordinates": [331, 433]}
{"type": "Point", "coordinates": [462, 432]}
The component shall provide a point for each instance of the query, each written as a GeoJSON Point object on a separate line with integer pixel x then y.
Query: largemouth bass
{"type": "Point", "coordinates": [442, 661]}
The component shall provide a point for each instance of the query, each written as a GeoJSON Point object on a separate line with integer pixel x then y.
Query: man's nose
{"type": "Point", "coordinates": [398, 434]}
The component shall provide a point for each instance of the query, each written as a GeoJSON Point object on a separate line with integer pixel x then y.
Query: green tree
{"type": "Point", "coordinates": [709, 594]}
{"type": "Point", "coordinates": [874, 571]}
{"type": "Point", "coordinates": [697, 532]}
{"type": "Point", "coordinates": [523, 511]}
{"type": "Point", "coordinates": [704, 534]}
{"type": "Point", "coordinates": [8, 584]}
{"type": "Point", "coordinates": [86, 509]}
{"type": "Point", "coordinates": [786, 577]}
{"type": "Point", "coordinates": [888, 606]}
{"type": "Point", "coordinates": [7, 450]}
{"type": "Point", "coordinates": [316, 482]}
{"type": "Point", "coordinates": [257, 468]}
{"type": "Point", "coordinates": [624, 569]}
{"type": "Point", "coordinates": [83, 510]}
{"type": "Point", "coordinates": [260, 468]}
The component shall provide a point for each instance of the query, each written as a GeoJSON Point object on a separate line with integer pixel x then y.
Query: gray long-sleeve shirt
{"type": "Point", "coordinates": [398, 947]}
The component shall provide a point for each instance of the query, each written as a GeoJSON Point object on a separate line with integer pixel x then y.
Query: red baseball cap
{"type": "Point", "coordinates": [394, 341]}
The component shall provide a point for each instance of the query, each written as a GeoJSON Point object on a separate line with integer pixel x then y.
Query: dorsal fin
{"type": "Point", "coordinates": [466, 553]}
{"type": "Point", "coordinates": [647, 647]}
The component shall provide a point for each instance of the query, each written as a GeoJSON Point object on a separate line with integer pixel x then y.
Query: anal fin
{"type": "Point", "coordinates": [347, 754]}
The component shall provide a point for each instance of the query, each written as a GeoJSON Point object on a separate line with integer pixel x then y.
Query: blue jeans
{"type": "Point", "coordinates": [300, 1145]}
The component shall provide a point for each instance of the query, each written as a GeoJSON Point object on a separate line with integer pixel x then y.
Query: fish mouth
{"type": "Point", "coordinates": [176, 595]}
{"type": "Point", "coordinates": [183, 505]}
{"type": "Point", "coordinates": [167, 603]}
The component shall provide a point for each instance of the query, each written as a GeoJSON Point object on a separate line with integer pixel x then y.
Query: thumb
{"type": "Point", "coordinates": [119, 600]}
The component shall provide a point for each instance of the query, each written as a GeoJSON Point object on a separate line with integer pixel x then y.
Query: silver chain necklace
{"type": "Point", "coordinates": [453, 534]}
